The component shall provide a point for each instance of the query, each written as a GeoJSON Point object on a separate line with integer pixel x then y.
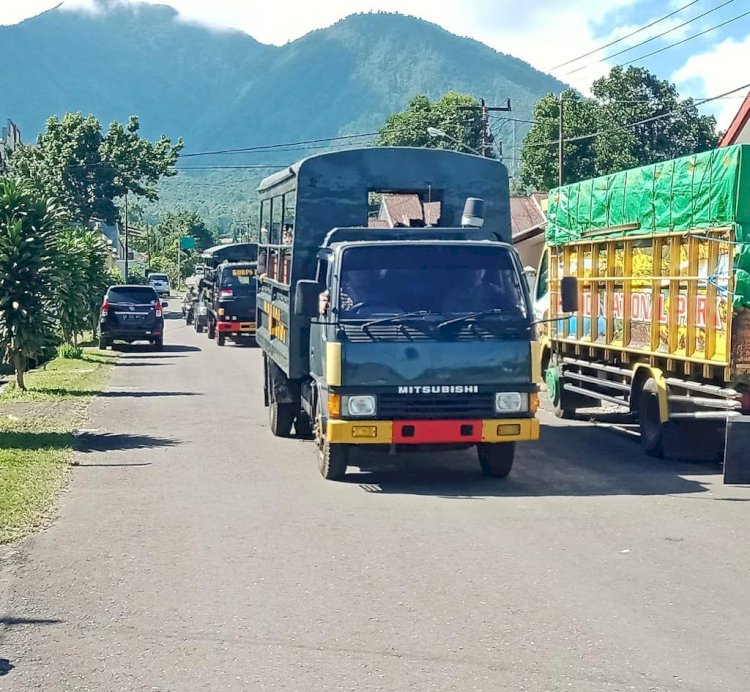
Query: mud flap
{"type": "Point", "coordinates": [736, 454]}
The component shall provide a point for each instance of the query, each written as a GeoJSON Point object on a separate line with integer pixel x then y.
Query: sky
{"type": "Point", "coordinates": [545, 33]}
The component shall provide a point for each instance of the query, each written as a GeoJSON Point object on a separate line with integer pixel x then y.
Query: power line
{"type": "Point", "coordinates": [623, 38]}
{"type": "Point", "coordinates": [653, 38]}
{"type": "Point", "coordinates": [679, 43]}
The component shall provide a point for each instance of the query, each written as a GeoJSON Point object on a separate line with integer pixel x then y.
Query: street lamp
{"type": "Point", "coordinates": [434, 132]}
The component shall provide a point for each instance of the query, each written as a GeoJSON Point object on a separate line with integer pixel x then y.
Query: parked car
{"type": "Point", "coordinates": [160, 282]}
{"type": "Point", "coordinates": [200, 313]}
{"type": "Point", "coordinates": [131, 313]}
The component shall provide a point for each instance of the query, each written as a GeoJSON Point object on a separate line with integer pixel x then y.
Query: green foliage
{"type": "Point", "coordinates": [409, 127]}
{"type": "Point", "coordinates": [625, 96]}
{"type": "Point", "coordinates": [69, 352]}
{"type": "Point", "coordinates": [83, 275]}
{"type": "Point", "coordinates": [26, 274]}
{"type": "Point", "coordinates": [87, 170]}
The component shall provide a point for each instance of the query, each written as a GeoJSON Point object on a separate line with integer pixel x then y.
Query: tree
{"type": "Point", "coordinates": [625, 96]}
{"type": "Point", "coordinates": [27, 223]}
{"type": "Point", "coordinates": [539, 157]}
{"type": "Point", "coordinates": [81, 278]}
{"type": "Point", "coordinates": [409, 127]}
{"type": "Point", "coordinates": [634, 94]}
{"type": "Point", "coordinates": [87, 170]}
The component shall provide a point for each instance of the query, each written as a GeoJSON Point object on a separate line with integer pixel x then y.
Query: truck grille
{"type": "Point", "coordinates": [409, 407]}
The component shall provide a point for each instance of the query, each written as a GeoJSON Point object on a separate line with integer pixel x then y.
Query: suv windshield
{"type": "Point", "coordinates": [139, 295]}
{"type": "Point", "coordinates": [241, 280]}
{"type": "Point", "coordinates": [437, 279]}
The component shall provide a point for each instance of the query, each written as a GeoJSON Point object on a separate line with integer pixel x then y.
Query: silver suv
{"type": "Point", "coordinates": [160, 283]}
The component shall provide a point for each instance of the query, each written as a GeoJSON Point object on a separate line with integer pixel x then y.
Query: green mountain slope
{"type": "Point", "coordinates": [223, 89]}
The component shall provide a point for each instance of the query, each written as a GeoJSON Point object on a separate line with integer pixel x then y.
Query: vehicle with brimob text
{"type": "Point", "coordinates": [662, 259]}
{"type": "Point", "coordinates": [411, 336]}
{"type": "Point", "coordinates": [131, 313]}
{"type": "Point", "coordinates": [229, 285]}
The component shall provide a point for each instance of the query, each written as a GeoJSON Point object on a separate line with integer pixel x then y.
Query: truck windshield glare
{"type": "Point", "coordinates": [441, 280]}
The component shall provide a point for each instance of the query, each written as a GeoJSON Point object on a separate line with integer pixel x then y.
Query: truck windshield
{"type": "Point", "coordinates": [438, 279]}
{"type": "Point", "coordinates": [239, 280]}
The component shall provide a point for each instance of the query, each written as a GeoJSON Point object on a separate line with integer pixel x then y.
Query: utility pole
{"type": "Point", "coordinates": [485, 111]}
{"type": "Point", "coordinates": [560, 166]}
{"type": "Point", "coordinates": [127, 249]}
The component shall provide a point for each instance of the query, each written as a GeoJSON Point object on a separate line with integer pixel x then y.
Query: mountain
{"type": "Point", "coordinates": [225, 89]}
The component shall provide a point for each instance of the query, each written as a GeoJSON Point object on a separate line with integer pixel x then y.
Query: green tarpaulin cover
{"type": "Point", "coordinates": [707, 190]}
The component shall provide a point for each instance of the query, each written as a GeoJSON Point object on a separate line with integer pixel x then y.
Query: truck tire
{"type": "Point", "coordinates": [649, 420]}
{"type": "Point", "coordinates": [332, 460]}
{"type": "Point", "coordinates": [211, 329]}
{"type": "Point", "coordinates": [199, 327]}
{"type": "Point", "coordinates": [281, 418]}
{"type": "Point", "coordinates": [496, 460]}
{"type": "Point", "coordinates": [555, 382]}
{"type": "Point", "coordinates": [221, 338]}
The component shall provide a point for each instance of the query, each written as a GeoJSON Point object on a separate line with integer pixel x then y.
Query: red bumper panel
{"type": "Point", "coordinates": [436, 431]}
{"type": "Point", "coordinates": [236, 327]}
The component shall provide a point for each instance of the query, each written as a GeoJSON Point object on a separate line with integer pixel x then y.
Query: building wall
{"type": "Point", "coordinates": [10, 138]}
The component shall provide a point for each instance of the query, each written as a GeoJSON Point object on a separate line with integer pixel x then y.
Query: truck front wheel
{"type": "Point", "coordinates": [332, 460]}
{"type": "Point", "coordinates": [496, 459]}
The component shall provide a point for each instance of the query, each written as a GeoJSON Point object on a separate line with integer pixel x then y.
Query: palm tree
{"type": "Point", "coordinates": [27, 223]}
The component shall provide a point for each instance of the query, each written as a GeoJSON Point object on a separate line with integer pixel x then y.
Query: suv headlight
{"type": "Point", "coordinates": [360, 405]}
{"type": "Point", "coordinates": [511, 402]}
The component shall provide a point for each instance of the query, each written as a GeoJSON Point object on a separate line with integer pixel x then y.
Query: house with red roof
{"type": "Point", "coordinates": [739, 130]}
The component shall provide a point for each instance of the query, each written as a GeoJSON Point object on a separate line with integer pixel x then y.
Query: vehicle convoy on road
{"type": "Point", "coordinates": [229, 289]}
{"type": "Point", "coordinates": [131, 313]}
{"type": "Point", "coordinates": [662, 258]}
{"type": "Point", "coordinates": [403, 333]}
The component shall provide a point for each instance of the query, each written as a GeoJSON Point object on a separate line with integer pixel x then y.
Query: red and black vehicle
{"type": "Point", "coordinates": [230, 291]}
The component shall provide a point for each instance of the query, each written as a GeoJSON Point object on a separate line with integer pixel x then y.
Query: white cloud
{"type": "Point", "coordinates": [716, 71]}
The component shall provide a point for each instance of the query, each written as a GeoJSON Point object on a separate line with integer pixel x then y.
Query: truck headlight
{"type": "Point", "coordinates": [511, 402]}
{"type": "Point", "coordinates": [360, 405]}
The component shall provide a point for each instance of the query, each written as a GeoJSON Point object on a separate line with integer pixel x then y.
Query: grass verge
{"type": "Point", "coordinates": [36, 436]}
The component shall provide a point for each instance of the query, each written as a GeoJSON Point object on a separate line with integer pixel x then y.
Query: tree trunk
{"type": "Point", "coordinates": [19, 363]}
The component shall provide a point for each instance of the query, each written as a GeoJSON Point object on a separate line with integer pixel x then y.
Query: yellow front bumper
{"type": "Point", "coordinates": [372, 432]}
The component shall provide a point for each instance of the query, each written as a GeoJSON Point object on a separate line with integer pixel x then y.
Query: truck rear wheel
{"type": "Point", "coordinates": [649, 420]}
{"type": "Point", "coordinates": [211, 329]}
{"type": "Point", "coordinates": [303, 426]}
{"type": "Point", "coordinates": [221, 338]}
{"type": "Point", "coordinates": [496, 459]}
{"type": "Point", "coordinates": [281, 418]}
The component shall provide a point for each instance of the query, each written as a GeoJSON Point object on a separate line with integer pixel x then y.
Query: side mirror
{"type": "Point", "coordinates": [164, 304]}
{"type": "Point", "coordinates": [569, 291]}
{"type": "Point", "coordinates": [261, 266]}
{"type": "Point", "coordinates": [306, 298]}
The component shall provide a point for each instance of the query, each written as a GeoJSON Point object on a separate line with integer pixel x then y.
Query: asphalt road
{"type": "Point", "coordinates": [194, 551]}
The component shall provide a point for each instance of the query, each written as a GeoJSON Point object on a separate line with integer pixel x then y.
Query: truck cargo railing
{"type": "Point", "coordinates": [663, 296]}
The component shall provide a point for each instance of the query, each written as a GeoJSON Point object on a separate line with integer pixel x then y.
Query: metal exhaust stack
{"type": "Point", "coordinates": [473, 216]}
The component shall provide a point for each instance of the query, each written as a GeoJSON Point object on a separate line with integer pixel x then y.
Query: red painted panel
{"type": "Point", "coordinates": [436, 431]}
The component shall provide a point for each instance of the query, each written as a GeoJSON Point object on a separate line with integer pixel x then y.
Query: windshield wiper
{"type": "Point", "coordinates": [472, 316]}
{"type": "Point", "coordinates": [394, 318]}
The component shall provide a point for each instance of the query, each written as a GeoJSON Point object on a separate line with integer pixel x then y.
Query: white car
{"type": "Point", "coordinates": [160, 282]}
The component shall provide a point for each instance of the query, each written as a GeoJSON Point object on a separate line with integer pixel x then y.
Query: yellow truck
{"type": "Point", "coordinates": [661, 255]}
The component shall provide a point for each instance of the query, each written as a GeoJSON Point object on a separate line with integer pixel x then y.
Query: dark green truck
{"type": "Point", "coordinates": [391, 313]}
